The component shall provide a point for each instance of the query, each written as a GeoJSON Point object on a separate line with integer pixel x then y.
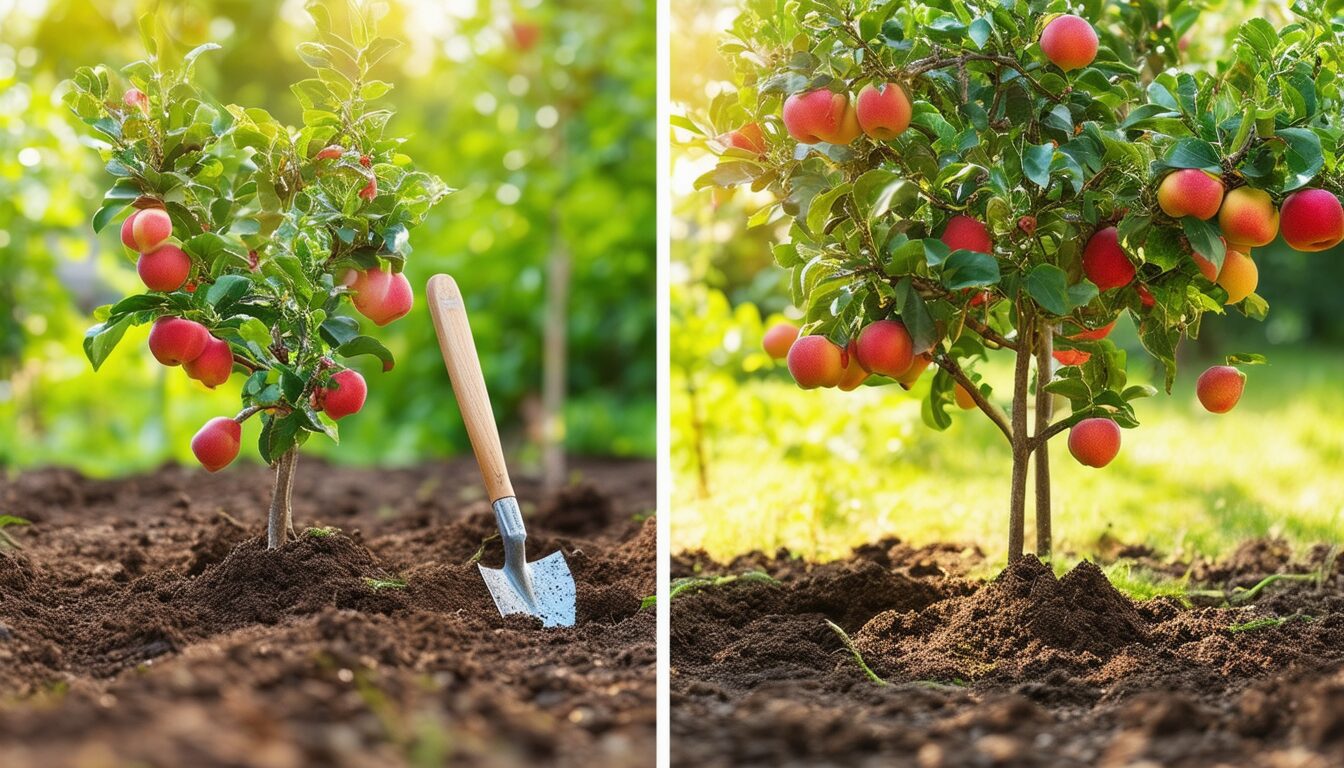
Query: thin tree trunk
{"type": "Point", "coordinates": [698, 435]}
{"type": "Point", "coordinates": [1017, 511]}
{"type": "Point", "coordinates": [281, 519]}
{"type": "Point", "coordinates": [553, 363]}
{"type": "Point", "coordinates": [1044, 408]}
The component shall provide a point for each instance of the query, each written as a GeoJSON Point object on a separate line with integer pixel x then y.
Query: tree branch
{"type": "Point", "coordinates": [1044, 437]}
{"type": "Point", "coordinates": [982, 330]}
{"type": "Point", "coordinates": [920, 66]}
{"type": "Point", "coordinates": [992, 411]}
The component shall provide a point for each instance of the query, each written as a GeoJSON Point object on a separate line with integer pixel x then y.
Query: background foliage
{"type": "Point", "coordinates": [552, 138]}
{"type": "Point", "coordinates": [761, 464]}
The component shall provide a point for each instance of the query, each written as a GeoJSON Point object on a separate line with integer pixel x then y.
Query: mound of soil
{"type": "Point", "coordinates": [1024, 670]}
{"type": "Point", "coordinates": [145, 623]}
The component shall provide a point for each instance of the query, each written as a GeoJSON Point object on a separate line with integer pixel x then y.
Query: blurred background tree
{"type": "Point", "coordinates": [540, 113]}
{"type": "Point", "coordinates": [760, 464]}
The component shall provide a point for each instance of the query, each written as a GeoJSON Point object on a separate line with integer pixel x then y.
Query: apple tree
{"type": "Point", "coordinates": [961, 177]}
{"type": "Point", "coordinates": [253, 237]}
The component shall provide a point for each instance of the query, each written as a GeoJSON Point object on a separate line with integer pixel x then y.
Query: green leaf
{"type": "Point", "coordinates": [915, 316]}
{"type": "Point", "coordinates": [935, 251]}
{"type": "Point", "coordinates": [227, 290]}
{"type": "Point", "coordinates": [1260, 36]}
{"type": "Point", "coordinates": [101, 339]}
{"type": "Point", "coordinates": [338, 330]}
{"type": "Point", "coordinates": [876, 190]}
{"type": "Point", "coordinates": [979, 32]}
{"type": "Point", "coordinates": [1160, 342]}
{"type": "Point", "coordinates": [820, 211]}
{"type": "Point", "coordinates": [367, 345]}
{"type": "Point", "coordinates": [106, 214]}
{"type": "Point", "coordinates": [1036, 163]}
{"type": "Point", "coordinates": [140, 302]}
{"type": "Point", "coordinates": [278, 435]}
{"type": "Point", "coordinates": [1193, 153]}
{"type": "Point", "coordinates": [968, 269]}
{"type": "Point", "coordinates": [1304, 157]}
{"type": "Point", "coordinates": [1137, 391]}
{"type": "Point", "coordinates": [1205, 239]}
{"type": "Point", "coordinates": [254, 331]}
{"type": "Point", "coordinates": [1048, 286]}
{"type": "Point", "coordinates": [1247, 358]}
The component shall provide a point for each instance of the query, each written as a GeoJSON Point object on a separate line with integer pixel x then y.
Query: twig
{"type": "Point", "coordinates": [995, 415]}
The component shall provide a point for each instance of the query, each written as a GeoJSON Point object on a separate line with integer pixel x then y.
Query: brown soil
{"type": "Point", "coordinates": [145, 623]}
{"type": "Point", "coordinates": [1024, 670]}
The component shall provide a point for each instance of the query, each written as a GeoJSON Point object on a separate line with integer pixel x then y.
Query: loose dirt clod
{"type": "Point", "coordinates": [147, 630]}
{"type": "Point", "coordinates": [1024, 670]}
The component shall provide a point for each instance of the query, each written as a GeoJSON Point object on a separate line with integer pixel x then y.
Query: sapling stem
{"type": "Point", "coordinates": [1021, 442]}
{"type": "Point", "coordinates": [1044, 406]}
{"type": "Point", "coordinates": [281, 520]}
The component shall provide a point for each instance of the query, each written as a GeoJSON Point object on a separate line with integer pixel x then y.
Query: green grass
{"type": "Point", "coordinates": [821, 471]}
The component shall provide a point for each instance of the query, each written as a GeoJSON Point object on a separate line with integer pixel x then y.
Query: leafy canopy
{"type": "Point", "coordinates": [268, 226]}
{"type": "Point", "coordinates": [1043, 157]}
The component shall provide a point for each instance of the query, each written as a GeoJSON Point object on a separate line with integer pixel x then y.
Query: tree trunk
{"type": "Point", "coordinates": [1044, 408]}
{"type": "Point", "coordinates": [281, 519]}
{"type": "Point", "coordinates": [1017, 510]}
{"type": "Point", "coordinates": [554, 351]}
{"type": "Point", "coordinates": [698, 435]}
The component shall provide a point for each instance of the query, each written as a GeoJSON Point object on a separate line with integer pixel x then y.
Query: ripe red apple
{"type": "Point", "coordinates": [815, 361]}
{"type": "Point", "coordinates": [883, 112]}
{"type": "Point", "coordinates": [164, 269]}
{"type": "Point", "coordinates": [214, 365]}
{"type": "Point", "coordinates": [885, 348]}
{"type": "Point", "coordinates": [821, 115]}
{"type": "Point", "coordinates": [1312, 220]}
{"type": "Point", "coordinates": [852, 374]}
{"type": "Point", "coordinates": [748, 137]}
{"type": "Point", "coordinates": [1190, 192]}
{"type": "Point", "coordinates": [216, 444]}
{"type": "Point", "coordinates": [330, 152]}
{"type": "Point", "coordinates": [381, 295]}
{"type": "Point", "coordinates": [1105, 262]}
{"type": "Point", "coordinates": [1239, 276]}
{"type": "Point", "coordinates": [1094, 442]}
{"type": "Point", "coordinates": [920, 364]}
{"type": "Point", "coordinates": [1069, 42]}
{"type": "Point", "coordinates": [136, 99]}
{"type": "Point", "coordinates": [344, 396]}
{"type": "Point", "coordinates": [174, 341]}
{"type": "Point", "coordinates": [778, 339]}
{"type": "Point", "coordinates": [1219, 388]}
{"type": "Point", "coordinates": [145, 230]}
{"type": "Point", "coordinates": [1248, 218]}
{"type": "Point", "coordinates": [964, 233]}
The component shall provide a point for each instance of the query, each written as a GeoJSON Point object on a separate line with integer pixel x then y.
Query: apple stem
{"type": "Point", "coordinates": [281, 519]}
{"type": "Point", "coordinates": [1044, 408]}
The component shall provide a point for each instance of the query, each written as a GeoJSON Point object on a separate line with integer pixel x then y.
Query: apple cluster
{"type": "Point", "coordinates": [379, 294]}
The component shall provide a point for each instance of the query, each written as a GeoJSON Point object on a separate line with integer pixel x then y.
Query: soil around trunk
{"type": "Point", "coordinates": [1026, 669]}
{"type": "Point", "coordinates": [144, 622]}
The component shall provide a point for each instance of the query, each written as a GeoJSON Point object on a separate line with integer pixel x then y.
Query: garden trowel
{"type": "Point", "coordinates": [544, 588]}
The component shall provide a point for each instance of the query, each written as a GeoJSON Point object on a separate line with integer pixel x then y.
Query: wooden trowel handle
{"type": "Point", "coordinates": [464, 370]}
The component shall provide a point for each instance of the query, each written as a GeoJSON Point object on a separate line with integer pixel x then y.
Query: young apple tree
{"type": "Point", "coordinates": [960, 176]}
{"type": "Point", "coordinates": [251, 236]}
